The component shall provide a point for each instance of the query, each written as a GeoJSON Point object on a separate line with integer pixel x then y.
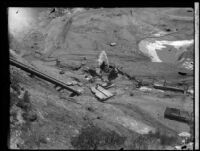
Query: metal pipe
{"type": "Point", "coordinates": [42, 75]}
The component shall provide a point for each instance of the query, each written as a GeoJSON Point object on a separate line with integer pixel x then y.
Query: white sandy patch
{"type": "Point", "coordinates": [12, 52]}
{"type": "Point", "coordinates": [134, 125]}
{"type": "Point", "coordinates": [150, 48]}
{"type": "Point", "coordinates": [191, 91]}
{"type": "Point", "coordinates": [160, 33]}
{"type": "Point", "coordinates": [78, 9]}
{"type": "Point", "coordinates": [145, 88]}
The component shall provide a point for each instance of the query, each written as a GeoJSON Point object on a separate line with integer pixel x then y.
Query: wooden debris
{"type": "Point", "coordinates": [101, 93]}
{"type": "Point", "coordinates": [178, 115]}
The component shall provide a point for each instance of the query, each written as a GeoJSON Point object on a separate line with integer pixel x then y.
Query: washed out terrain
{"type": "Point", "coordinates": [143, 46]}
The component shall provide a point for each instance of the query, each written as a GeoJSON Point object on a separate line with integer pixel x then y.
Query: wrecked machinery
{"type": "Point", "coordinates": [178, 115]}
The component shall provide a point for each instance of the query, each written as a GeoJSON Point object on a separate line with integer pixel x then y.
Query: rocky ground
{"type": "Point", "coordinates": [65, 44]}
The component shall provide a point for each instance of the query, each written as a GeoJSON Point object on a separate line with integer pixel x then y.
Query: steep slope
{"type": "Point", "coordinates": [66, 43]}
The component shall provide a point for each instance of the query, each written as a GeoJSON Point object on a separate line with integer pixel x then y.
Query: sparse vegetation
{"type": "Point", "coordinates": [151, 140]}
{"type": "Point", "coordinates": [165, 139]}
{"type": "Point", "coordinates": [13, 99]}
{"type": "Point", "coordinates": [21, 109]}
{"type": "Point", "coordinates": [48, 118]}
{"type": "Point", "coordinates": [14, 83]}
{"type": "Point", "coordinates": [35, 139]}
{"type": "Point", "coordinates": [93, 137]}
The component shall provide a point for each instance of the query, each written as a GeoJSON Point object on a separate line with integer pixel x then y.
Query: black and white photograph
{"type": "Point", "coordinates": [103, 78]}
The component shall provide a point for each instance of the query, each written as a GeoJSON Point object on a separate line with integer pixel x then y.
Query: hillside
{"type": "Point", "coordinates": [143, 45]}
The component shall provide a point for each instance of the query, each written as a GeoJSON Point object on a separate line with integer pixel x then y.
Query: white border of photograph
{"type": "Point", "coordinates": [196, 75]}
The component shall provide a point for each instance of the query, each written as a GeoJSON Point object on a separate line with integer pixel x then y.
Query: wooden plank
{"type": "Point", "coordinates": [105, 92]}
{"type": "Point", "coordinates": [98, 94]}
{"type": "Point", "coordinates": [101, 93]}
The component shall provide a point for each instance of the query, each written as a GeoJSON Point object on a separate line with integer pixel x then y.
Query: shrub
{"type": "Point", "coordinates": [148, 140]}
{"type": "Point", "coordinates": [93, 137]}
{"type": "Point", "coordinates": [29, 116]}
{"type": "Point", "coordinates": [34, 138]}
{"type": "Point", "coordinates": [26, 97]}
{"type": "Point", "coordinates": [13, 99]}
{"type": "Point", "coordinates": [24, 106]}
{"type": "Point", "coordinates": [140, 143]}
{"type": "Point", "coordinates": [14, 83]}
{"type": "Point", "coordinates": [25, 103]}
{"type": "Point", "coordinates": [164, 138]}
{"type": "Point", "coordinates": [167, 140]}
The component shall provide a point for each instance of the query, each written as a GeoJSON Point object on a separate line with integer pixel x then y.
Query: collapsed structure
{"type": "Point", "coordinates": [178, 115]}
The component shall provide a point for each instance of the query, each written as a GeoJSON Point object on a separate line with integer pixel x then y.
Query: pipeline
{"type": "Point", "coordinates": [42, 75]}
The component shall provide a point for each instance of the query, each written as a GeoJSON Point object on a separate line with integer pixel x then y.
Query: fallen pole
{"type": "Point", "coordinates": [41, 75]}
{"type": "Point", "coordinates": [167, 88]}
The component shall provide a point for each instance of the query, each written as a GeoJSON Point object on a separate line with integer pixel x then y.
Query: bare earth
{"type": "Point", "coordinates": [83, 122]}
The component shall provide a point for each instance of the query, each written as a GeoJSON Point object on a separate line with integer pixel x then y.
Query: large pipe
{"type": "Point", "coordinates": [168, 88]}
{"type": "Point", "coordinates": [42, 75]}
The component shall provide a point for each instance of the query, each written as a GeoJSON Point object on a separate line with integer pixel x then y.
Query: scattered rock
{"type": "Point", "coordinates": [182, 73]}
{"type": "Point", "coordinates": [98, 117]}
{"type": "Point", "coordinates": [90, 109]}
{"type": "Point", "coordinates": [112, 44]}
{"type": "Point", "coordinates": [131, 94]}
{"type": "Point", "coordinates": [62, 72]}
